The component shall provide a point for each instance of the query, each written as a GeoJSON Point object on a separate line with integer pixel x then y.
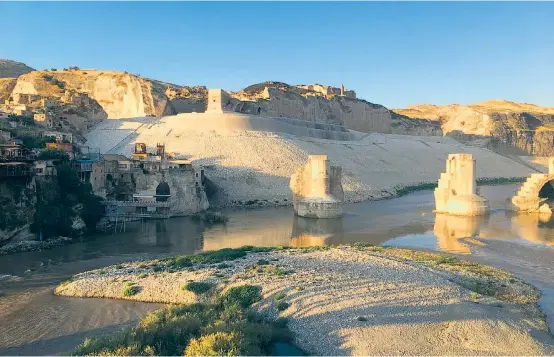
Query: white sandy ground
{"type": "Point", "coordinates": [411, 308]}
{"type": "Point", "coordinates": [256, 165]}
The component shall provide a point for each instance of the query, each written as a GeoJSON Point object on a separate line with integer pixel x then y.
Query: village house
{"type": "Point", "coordinates": [68, 148]}
{"type": "Point", "coordinates": [5, 136]}
{"type": "Point", "coordinates": [44, 168]}
{"type": "Point", "coordinates": [59, 136]}
{"type": "Point", "coordinates": [45, 119]}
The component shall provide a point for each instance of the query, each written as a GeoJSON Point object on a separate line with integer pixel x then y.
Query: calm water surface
{"type": "Point", "coordinates": [35, 322]}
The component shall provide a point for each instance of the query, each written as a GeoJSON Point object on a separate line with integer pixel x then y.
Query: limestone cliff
{"type": "Point", "coordinates": [13, 69]}
{"type": "Point", "coordinates": [497, 124]}
{"type": "Point", "coordinates": [120, 95]}
{"type": "Point", "coordinates": [123, 95]}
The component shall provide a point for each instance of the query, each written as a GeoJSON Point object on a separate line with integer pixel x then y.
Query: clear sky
{"type": "Point", "coordinates": [394, 54]}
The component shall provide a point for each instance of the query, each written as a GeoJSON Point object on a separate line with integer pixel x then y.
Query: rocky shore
{"type": "Point", "coordinates": [350, 300]}
{"type": "Point", "coordinates": [31, 245]}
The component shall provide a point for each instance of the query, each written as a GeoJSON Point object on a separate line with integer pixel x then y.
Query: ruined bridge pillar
{"type": "Point", "coordinates": [457, 189]}
{"type": "Point", "coordinates": [316, 189]}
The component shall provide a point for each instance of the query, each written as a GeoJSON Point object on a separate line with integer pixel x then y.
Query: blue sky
{"type": "Point", "coordinates": [394, 54]}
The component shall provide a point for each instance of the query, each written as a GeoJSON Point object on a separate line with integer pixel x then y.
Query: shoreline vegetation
{"type": "Point", "coordinates": [216, 217]}
{"type": "Point", "coordinates": [352, 299]}
{"type": "Point", "coordinates": [404, 190]}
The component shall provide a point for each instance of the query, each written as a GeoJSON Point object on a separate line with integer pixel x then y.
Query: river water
{"type": "Point", "coordinates": [35, 322]}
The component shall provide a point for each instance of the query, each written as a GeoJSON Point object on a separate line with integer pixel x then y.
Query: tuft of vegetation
{"type": "Point", "coordinates": [219, 329]}
{"type": "Point", "coordinates": [198, 287]}
{"type": "Point", "coordinates": [263, 262]}
{"type": "Point", "coordinates": [282, 305]}
{"type": "Point", "coordinates": [402, 191]}
{"type": "Point", "coordinates": [243, 296]}
{"type": "Point", "coordinates": [218, 256]}
{"type": "Point", "coordinates": [361, 318]}
{"type": "Point", "coordinates": [210, 217]}
{"type": "Point", "coordinates": [130, 289]}
{"type": "Point", "coordinates": [53, 154]}
{"type": "Point", "coordinates": [280, 296]}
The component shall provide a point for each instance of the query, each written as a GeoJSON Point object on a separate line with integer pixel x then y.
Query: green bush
{"type": "Point", "coordinates": [243, 296]}
{"type": "Point", "coordinates": [130, 290]}
{"type": "Point", "coordinates": [282, 305]}
{"type": "Point", "coordinates": [198, 287]}
{"type": "Point", "coordinates": [53, 154]}
{"type": "Point", "coordinates": [196, 329]}
{"type": "Point", "coordinates": [218, 256]}
{"type": "Point", "coordinates": [280, 296]}
{"type": "Point", "coordinates": [217, 344]}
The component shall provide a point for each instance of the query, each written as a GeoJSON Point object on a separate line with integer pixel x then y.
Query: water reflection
{"type": "Point", "coordinates": [450, 230]}
{"type": "Point", "coordinates": [308, 232]}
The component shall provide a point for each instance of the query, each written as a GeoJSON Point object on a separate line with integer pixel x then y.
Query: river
{"type": "Point", "coordinates": [36, 322]}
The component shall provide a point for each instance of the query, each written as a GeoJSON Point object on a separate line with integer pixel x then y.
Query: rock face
{"type": "Point", "coordinates": [13, 69]}
{"type": "Point", "coordinates": [316, 189]}
{"type": "Point", "coordinates": [496, 124]}
{"type": "Point", "coordinates": [280, 99]}
{"type": "Point", "coordinates": [456, 193]}
{"type": "Point", "coordinates": [120, 95]}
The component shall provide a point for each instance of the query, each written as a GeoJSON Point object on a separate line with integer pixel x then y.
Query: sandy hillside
{"type": "Point", "coordinates": [248, 163]}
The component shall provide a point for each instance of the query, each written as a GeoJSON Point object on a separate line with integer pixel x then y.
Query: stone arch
{"type": "Point", "coordinates": [533, 192]}
{"type": "Point", "coordinates": [162, 190]}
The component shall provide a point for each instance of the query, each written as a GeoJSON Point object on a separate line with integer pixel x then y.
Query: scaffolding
{"type": "Point", "coordinates": [141, 209]}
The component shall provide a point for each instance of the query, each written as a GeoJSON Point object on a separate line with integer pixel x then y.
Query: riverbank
{"type": "Point", "coordinates": [33, 245]}
{"type": "Point", "coordinates": [361, 300]}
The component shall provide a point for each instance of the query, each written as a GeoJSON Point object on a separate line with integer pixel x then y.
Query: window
{"type": "Point", "coordinates": [122, 166]}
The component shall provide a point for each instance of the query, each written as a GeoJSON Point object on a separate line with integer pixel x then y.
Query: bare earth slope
{"type": "Point", "coordinates": [524, 126]}
{"type": "Point", "coordinates": [248, 162]}
{"type": "Point", "coordinates": [13, 69]}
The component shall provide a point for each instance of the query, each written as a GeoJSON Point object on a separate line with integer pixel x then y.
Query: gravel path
{"type": "Point", "coordinates": [345, 301]}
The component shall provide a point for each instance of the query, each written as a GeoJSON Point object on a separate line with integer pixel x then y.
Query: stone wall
{"type": "Point", "coordinates": [187, 193]}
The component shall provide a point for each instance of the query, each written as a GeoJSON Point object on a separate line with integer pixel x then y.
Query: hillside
{"type": "Point", "coordinates": [497, 124]}
{"type": "Point", "coordinates": [125, 95]}
{"type": "Point", "coordinates": [13, 69]}
{"type": "Point", "coordinates": [252, 162]}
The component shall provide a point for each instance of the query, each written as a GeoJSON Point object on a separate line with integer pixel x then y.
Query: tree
{"type": "Point", "coordinates": [53, 154]}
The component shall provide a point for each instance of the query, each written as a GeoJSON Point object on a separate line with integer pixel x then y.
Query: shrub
{"type": "Point", "coordinates": [280, 296]}
{"type": "Point", "coordinates": [196, 329]}
{"type": "Point", "coordinates": [179, 262]}
{"type": "Point", "coordinates": [198, 287]}
{"type": "Point", "coordinates": [218, 256]}
{"type": "Point", "coordinates": [263, 262]}
{"type": "Point", "coordinates": [282, 305]}
{"type": "Point", "coordinates": [216, 344]}
{"type": "Point", "coordinates": [243, 296]}
{"type": "Point", "coordinates": [130, 290]}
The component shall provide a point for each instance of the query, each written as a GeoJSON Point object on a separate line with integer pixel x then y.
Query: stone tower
{"type": "Point", "coordinates": [217, 100]}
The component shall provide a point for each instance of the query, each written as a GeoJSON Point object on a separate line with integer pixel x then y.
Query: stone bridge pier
{"type": "Point", "coordinates": [456, 193]}
{"type": "Point", "coordinates": [536, 194]}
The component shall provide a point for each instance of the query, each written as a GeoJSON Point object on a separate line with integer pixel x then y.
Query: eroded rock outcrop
{"type": "Point", "coordinates": [495, 124]}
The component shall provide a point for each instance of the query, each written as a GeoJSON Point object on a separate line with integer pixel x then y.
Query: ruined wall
{"type": "Point", "coordinates": [186, 196]}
